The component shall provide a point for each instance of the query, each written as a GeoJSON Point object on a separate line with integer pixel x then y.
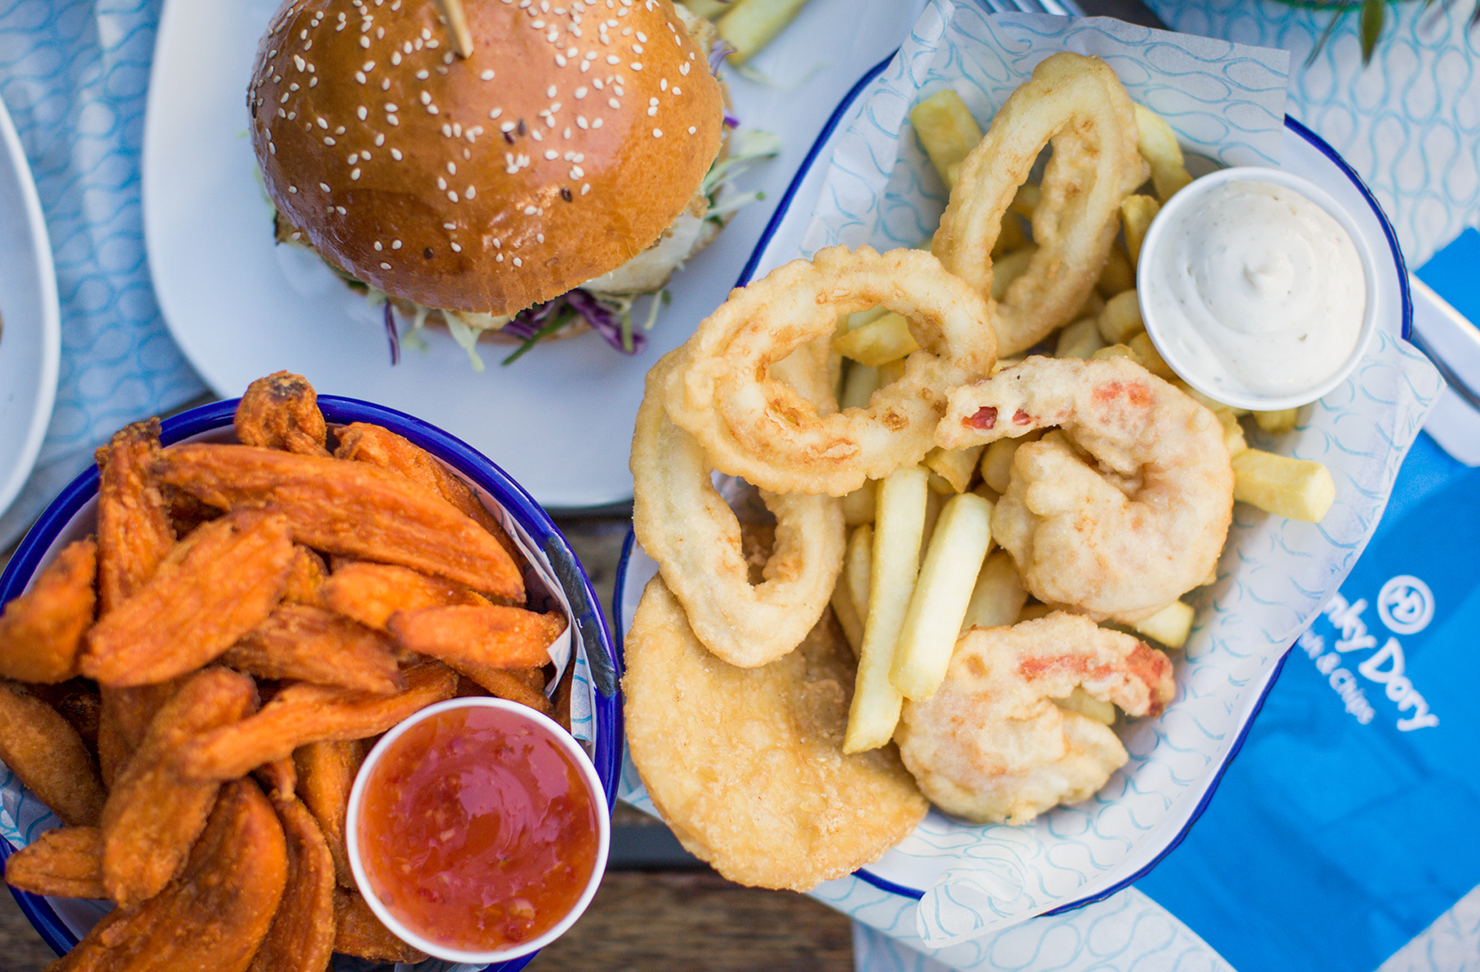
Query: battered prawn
{"type": "Point", "coordinates": [1125, 530]}
{"type": "Point", "coordinates": [991, 745]}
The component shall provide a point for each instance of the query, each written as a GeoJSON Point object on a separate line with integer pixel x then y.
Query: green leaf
{"type": "Point", "coordinates": [1373, 14]}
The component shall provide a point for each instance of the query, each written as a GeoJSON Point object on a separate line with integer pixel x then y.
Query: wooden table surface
{"type": "Point", "coordinates": [657, 910]}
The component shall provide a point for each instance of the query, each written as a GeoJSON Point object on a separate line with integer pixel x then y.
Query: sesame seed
{"type": "Point", "coordinates": [581, 121]}
{"type": "Point", "coordinates": [657, 133]}
{"type": "Point", "coordinates": [472, 191]}
{"type": "Point", "coordinates": [393, 119]}
{"type": "Point", "coordinates": [395, 244]}
{"type": "Point", "coordinates": [652, 111]}
{"type": "Point", "coordinates": [324, 186]}
{"type": "Point", "coordinates": [663, 84]}
{"type": "Point", "coordinates": [396, 154]}
{"type": "Point", "coordinates": [551, 154]}
{"type": "Point", "coordinates": [456, 248]}
{"type": "Point", "coordinates": [360, 77]}
{"type": "Point", "coordinates": [364, 41]}
{"type": "Point", "coordinates": [530, 210]}
{"type": "Point", "coordinates": [341, 210]}
{"type": "Point", "coordinates": [379, 140]}
{"type": "Point", "coordinates": [293, 190]}
{"type": "Point", "coordinates": [613, 59]}
{"type": "Point", "coordinates": [495, 112]}
{"type": "Point", "coordinates": [596, 123]}
{"type": "Point", "coordinates": [486, 75]}
{"type": "Point", "coordinates": [637, 65]}
{"type": "Point", "coordinates": [518, 262]}
{"type": "Point", "coordinates": [384, 265]}
{"type": "Point", "coordinates": [361, 113]}
{"type": "Point", "coordinates": [378, 247]}
{"type": "Point", "coordinates": [354, 157]}
{"type": "Point", "coordinates": [499, 258]}
{"type": "Point", "coordinates": [614, 103]}
{"type": "Point", "coordinates": [441, 183]}
{"type": "Point", "coordinates": [354, 174]}
{"type": "Point", "coordinates": [692, 129]}
{"type": "Point", "coordinates": [323, 123]}
{"type": "Point", "coordinates": [506, 127]}
{"type": "Point", "coordinates": [426, 98]}
{"type": "Point", "coordinates": [452, 168]}
{"type": "Point", "coordinates": [580, 93]}
{"type": "Point", "coordinates": [585, 188]}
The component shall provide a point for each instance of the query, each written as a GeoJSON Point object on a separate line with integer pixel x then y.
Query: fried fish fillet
{"type": "Point", "coordinates": [747, 765]}
{"type": "Point", "coordinates": [213, 917]}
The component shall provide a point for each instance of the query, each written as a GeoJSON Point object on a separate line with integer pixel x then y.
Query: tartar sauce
{"type": "Point", "coordinates": [1257, 289]}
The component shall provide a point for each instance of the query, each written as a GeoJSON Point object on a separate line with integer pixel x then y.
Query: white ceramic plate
{"type": "Point", "coordinates": [1244, 663]}
{"type": "Point", "coordinates": [30, 319]}
{"type": "Point", "coordinates": [560, 419]}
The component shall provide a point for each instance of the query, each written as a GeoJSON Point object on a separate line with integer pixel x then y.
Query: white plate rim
{"type": "Point", "coordinates": [43, 268]}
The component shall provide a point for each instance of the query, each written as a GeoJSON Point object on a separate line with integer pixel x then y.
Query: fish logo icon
{"type": "Point", "coordinates": [1405, 604]}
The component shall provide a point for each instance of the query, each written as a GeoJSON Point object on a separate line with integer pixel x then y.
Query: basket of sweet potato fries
{"type": "Point", "coordinates": [203, 636]}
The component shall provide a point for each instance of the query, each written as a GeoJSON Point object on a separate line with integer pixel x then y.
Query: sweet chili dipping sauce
{"type": "Point", "coordinates": [477, 830]}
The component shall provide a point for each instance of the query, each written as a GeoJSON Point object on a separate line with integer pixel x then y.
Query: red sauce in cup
{"type": "Point", "coordinates": [476, 830]}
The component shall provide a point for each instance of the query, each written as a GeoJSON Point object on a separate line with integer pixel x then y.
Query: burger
{"type": "Point", "coordinates": [528, 189]}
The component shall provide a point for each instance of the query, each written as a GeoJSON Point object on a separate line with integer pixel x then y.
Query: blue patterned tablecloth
{"type": "Point", "coordinates": [74, 75]}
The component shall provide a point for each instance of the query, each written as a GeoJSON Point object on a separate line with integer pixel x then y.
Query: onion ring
{"type": "Point", "coordinates": [1079, 105]}
{"type": "Point", "coordinates": [684, 524]}
{"type": "Point", "coordinates": [752, 425]}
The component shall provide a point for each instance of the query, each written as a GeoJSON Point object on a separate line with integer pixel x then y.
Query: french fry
{"type": "Point", "coordinates": [858, 506]}
{"type": "Point", "coordinates": [942, 591]}
{"type": "Point", "coordinates": [134, 528]}
{"type": "Point", "coordinates": [41, 631]}
{"type": "Point", "coordinates": [1081, 702]}
{"type": "Point", "coordinates": [1008, 268]}
{"type": "Point", "coordinates": [708, 9]}
{"type": "Point", "coordinates": [359, 933]}
{"type": "Point", "coordinates": [1011, 235]}
{"type": "Point", "coordinates": [1297, 489]}
{"type": "Point", "coordinates": [371, 593]}
{"type": "Point", "coordinates": [897, 534]}
{"type": "Point", "coordinates": [858, 560]}
{"type": "Point", "coordinates": [1117, 351]}
{"type": "Point", "coordinates": [1149, 357]}
{"type": "Point", "coordinates": [847, 614]}
{"type": "Point", "coordinates": [1121, 318]}
{"type": "Point", "coordinates": [1079, 339]}
{"type": "Point", "coordinates": [878, 342]}
{"type": "Point", "coordinates": [1281, 420]}
{"type": "Point", "coordinates": [891, 372]}
{"type": "Point", "coordinates": [1170, 626]}
{"type": "Point", "coordinates": [955, 466]}
{"type": "Point", "coordinates": [947, 132]}
{"type": "Point", "coordinates": [1233, 432]}
{"type": "Point", "coordinates": [306, 577]}
{"type": "Point", "coordinates": [1118, 275]}
{"type": "Point", "coordinates": [1025, 200]}
{"type": "Point", "coordinates": [1157, 144]}
{"type": "Point", "coordinates": [45, 752]}
{"type": "Point", "coordinates": [523, 685]}
{"type": "Point", "coordinates": [998, 596]}
{"type": "Point", "coordinates": [751, 24]}
{"type": "Point", "coordinates": [996, 464]}
{"type": "Point", "coordinates": [1136, 214]}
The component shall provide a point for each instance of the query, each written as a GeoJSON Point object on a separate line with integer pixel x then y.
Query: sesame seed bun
{"type": "Point", "coordinates": [565, 145]}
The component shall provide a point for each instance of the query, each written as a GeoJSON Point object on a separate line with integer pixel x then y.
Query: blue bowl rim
{"type": "Point", "coordinates": [748, 273]}
{"type": "Point", "coordinates": [471, 463]}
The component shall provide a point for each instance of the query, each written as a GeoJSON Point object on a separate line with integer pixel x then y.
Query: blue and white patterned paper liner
{"type": "Point", "coordinates": [976, 881]}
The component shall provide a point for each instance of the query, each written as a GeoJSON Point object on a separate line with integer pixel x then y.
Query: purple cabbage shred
{"type": "Point", "coordinates": [392, 335]}
{"type": "Point", "coordinates": [718, 51]}
{"type": "Point", "coordinates": [601, 318]}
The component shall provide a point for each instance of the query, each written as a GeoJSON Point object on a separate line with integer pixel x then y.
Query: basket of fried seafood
{"type": "Point", "coordinates": [948, 599]}
{"type": "Point", "coordinates": [203, 637]}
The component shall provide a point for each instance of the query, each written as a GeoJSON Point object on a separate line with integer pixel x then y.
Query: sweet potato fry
{"type": "Point", "coordinates": [326, 771]}
{"type": "Point", "coordinates": [304, 713]}
{"type": "Point", "coordinates": [305, 577]}
{"type": "Point", "coordinates": [43, 749]}
{"type": "Point", "coordinates": [215, 586]}
{"type": "Point", "coordinates": [279, 780]}
{"type": "Point", "coordinates": [489, 635]}
{"type": "Point", "coordinates": [362, 935]}
{"type": "Point", "coordinates": [65, 863]}
{"type": "Point", "coordinates": [281, 411]}
{"type": "Point", "coordinates": [371, 593]}
{"type": "Point", "coordinates": [348, 508]}
{"type": "Point", "coordinates": [41, 631]}
{"type": "Point", "coordinates": [379, 446]}
{"type": "Point", "coordinates": [134, 529]}
{"type": "Point", "coordinates": [153, 816]}
{"type": "Point", "coordinates": [301, 938]}
{"type": "Point", "coordinates": [313, 644]}
{"type": "Point", "coordinates": [124, 715]}
{"type": "Point", "coordinates": [523, 685]}
{"type": "Point", "coordinates": [214, 916]}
